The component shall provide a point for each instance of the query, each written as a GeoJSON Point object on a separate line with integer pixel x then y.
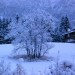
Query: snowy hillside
{"type": "Point", "coordinates": [19, 6]}
{"type": "Point", "coordinates": [66, 52]}
{"type": "Point", "coordinates": [65, 7]}
{"type": "Point", "coordinates": [22, 6]}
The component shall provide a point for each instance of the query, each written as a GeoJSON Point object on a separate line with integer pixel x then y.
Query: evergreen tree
{"type": "Point", "coordinates": [64, 25]}
{"type": "Point", "coordinates": [17, 18]}
{"type": "Point", "coordinates": [4, 23]}
{"type": "Point", "coordinates": [67, 24]}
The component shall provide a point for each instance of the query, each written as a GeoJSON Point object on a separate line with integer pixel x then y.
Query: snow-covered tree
{"type": "Point", "coordinates": [31, 33]}
{"type": "Point", "coordinates": [64, 25]}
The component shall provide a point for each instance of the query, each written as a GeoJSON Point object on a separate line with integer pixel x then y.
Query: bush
{"type": "Point", "coordinates": [19, 70]}
{"type": "Point", "coordinates": [64, 68]}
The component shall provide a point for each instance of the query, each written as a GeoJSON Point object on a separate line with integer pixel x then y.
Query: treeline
{"type": "Point", "coordinates": [57, 34]}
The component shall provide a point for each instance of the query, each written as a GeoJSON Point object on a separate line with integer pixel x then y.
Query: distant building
{"type": "Point", "coordinates": [70, 35]}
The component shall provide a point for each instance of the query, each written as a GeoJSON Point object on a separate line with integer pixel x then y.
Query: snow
{"type": "Point", "coordinates": [66, 52]}
{"type": "Point", "coordinates": [5, 50]}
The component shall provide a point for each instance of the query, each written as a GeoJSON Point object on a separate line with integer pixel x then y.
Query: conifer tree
{"type": "Point", "coordinates": [64, 27]}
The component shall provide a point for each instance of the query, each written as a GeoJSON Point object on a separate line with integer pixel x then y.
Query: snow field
{"type": "Point", "coordinates": [64, 51]}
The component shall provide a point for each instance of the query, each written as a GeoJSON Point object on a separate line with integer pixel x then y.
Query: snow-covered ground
{"type": "Point", "coordinates": [65, 51]}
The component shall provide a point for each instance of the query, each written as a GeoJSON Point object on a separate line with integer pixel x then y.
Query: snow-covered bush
{"type": "Point", "coordinates": [64, 68]}
{"type": "Point", "coordinates": [4, 68]}
{"type": "Point", "coordinates": [31, 34]}
{"type": "Point", "coordinates": [19, 70]}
